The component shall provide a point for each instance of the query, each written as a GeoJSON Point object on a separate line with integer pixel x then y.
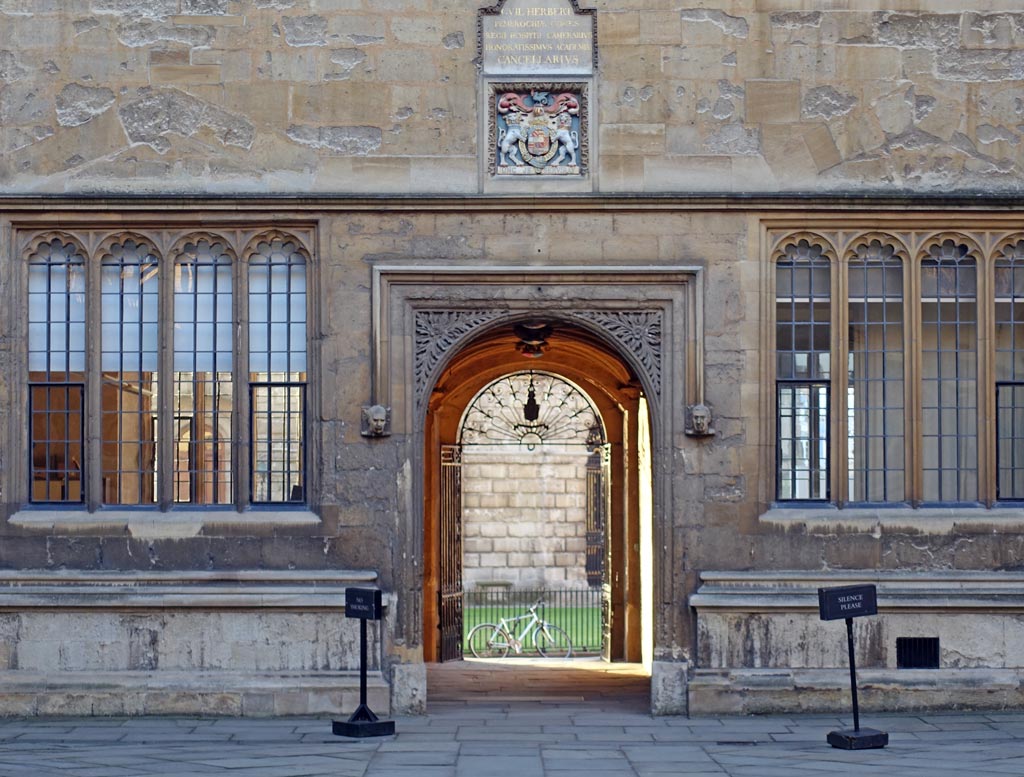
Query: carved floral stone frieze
{"type": "Point", "coordinates": [638, 332]}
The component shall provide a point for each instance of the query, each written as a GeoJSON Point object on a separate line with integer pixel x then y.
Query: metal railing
{"type": "Point", "coordinates": [577, 611]}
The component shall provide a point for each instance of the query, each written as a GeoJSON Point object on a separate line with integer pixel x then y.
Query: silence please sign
{"type": "Point", "coordinates": [848, 601]}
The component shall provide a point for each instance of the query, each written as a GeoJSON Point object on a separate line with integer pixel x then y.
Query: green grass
{"type": "Point", "coordinates": [582, 624]}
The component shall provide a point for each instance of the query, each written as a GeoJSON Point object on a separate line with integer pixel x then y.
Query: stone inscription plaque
{"type": "Point", "coordinates": [527, 37]}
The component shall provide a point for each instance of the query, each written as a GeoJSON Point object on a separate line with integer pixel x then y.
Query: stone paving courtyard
{"type": "Point", "coordinates": [498, 739]}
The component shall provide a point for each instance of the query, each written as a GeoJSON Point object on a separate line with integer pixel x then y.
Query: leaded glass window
{"type": "Point", "coordinates": [929, 408]}
{"type": "Point", "coordinates": [277, 371]}
{"type": "Point", "coordinates": [1009, 371]}
{"type": "Point", "coordinates": [203, 363]}
{"type": "Point", "coordinates": [803, 371]}
{"type": "Point", "coordinates": [949, 373]}
{"type": "Point", "coordinates": [147, 413]}
{"type": "Point", "coordinates": [129, 346]}
{"type": "Point", "coordinates": [56, 370]}
{"type": "Point", "coordinates": [875, 419]}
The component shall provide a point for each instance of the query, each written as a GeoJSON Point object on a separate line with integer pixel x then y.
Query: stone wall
{"type": "Point", "coordinates": [382, 96]}
{"type": "Point", "coordinates": [524, 516]}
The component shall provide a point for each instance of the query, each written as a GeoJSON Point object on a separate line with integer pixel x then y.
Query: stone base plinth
{"type": "Point", "coordinates": [188, 693]}
{"type": "Point", "coordinates": [791, 691]}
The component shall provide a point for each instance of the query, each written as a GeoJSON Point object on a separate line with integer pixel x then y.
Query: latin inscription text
{"type": "Point", "coordinates": [540, 38]}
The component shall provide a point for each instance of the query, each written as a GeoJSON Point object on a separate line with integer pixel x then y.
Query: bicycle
{"type": "Point", "coordinates": [494, 640]}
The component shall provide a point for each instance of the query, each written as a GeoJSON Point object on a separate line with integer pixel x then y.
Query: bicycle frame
{"type": "Point", "coordinates": [517, 642]}
{"type": "Point", "coordinates": [500, 637]}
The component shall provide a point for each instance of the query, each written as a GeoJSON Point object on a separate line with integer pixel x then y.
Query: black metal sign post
{"type": "Point", "coordinates": [849, 602]}
{"type": "Point", "coordinates": [364, 604]}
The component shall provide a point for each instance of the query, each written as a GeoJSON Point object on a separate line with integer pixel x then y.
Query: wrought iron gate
{"type": "Point", "coordinates": [449, 592]}
{"type": "Point", "coordinates": [599, 492]}
{"type": "Point", "coordinates": [596, 517]}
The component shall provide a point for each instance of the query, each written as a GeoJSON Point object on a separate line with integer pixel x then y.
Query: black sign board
{"type": "Point", "coordinates": [364, 603]}
{"type": "Point", "coordinates": [848, 601]}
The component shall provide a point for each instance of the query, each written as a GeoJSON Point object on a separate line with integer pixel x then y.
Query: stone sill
{"type": "Point", "coordinates": [818, 519]}
{"type": "Point", "coordinates": [242, 589]}
{"type": "Point", "coordinates": [797, 591]}
{"type": "Point", "coordinates": [147, 524]}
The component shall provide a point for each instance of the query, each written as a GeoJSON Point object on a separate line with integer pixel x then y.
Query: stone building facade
{"type": "Point", "coordinates": [227, 227]}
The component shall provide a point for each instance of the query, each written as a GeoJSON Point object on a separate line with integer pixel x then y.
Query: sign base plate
{"type": "Point", "coordinates": [865, 739]}
{"type": "Point", "coordinates": [363, 728]}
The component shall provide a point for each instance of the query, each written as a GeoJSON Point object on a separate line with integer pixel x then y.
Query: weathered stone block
{"type": "Point", "coordinates": [634, 138]}
{"type": "Point", "coordinates": [772, 102]}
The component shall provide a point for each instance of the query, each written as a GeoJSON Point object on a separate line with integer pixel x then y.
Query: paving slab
{"type": "Point", "coordinates": [458, 740]}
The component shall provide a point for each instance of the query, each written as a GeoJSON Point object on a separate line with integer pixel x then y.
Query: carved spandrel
{"type": "Point", "coordinates": [638, 332]}
{"type": "Point", "coordinates": [437, 331]}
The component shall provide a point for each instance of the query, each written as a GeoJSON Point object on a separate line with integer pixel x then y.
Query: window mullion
{"type": "Point", "coordinates": [93, 464]}
{"type": "Point", "coordinates": [839, 460]}
{"type": "Point", "coordinates": [165, 380]}
{"type": "Point", "coordinates": [240, 426]}
{"type": "Point", "coordinates": [986, 423]}
{"type": "Point", "coordinates": [912, 385]}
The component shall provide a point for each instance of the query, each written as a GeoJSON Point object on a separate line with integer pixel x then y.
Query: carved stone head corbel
{"type": "Point", "coordinates": [698, 421]}
{"type": "Point", "coordinates": [376, 421]}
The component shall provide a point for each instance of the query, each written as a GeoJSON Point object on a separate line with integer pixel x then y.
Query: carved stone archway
{"type": "Point", "coordinates": [647, 321]}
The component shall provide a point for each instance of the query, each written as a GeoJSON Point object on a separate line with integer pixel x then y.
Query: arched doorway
{"type": "Point", "coordinates": [577, 356]}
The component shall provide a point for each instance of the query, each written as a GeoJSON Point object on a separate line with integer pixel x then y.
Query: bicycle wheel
{"type": "Point", "coordinates": [552, 642]}
{"type": "Point", "coordinates": [487, 640]}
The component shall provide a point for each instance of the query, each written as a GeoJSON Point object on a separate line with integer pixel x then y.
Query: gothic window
{"type": "Point", "coordinates": [203, 364]}
{"type": "Point", "coordinates": [1009, 369]}
{"type": "Point", "coordinates": [910, 419]}
{"type": "Point", "coordinates": [949, 373]}
{"type": "Point", "coordinates": [874, 410]}
{"type": "Point", "coordinates": [803, 371]}
{"type": "Point", "coordinates": [149, 413]}
{"type": "Point", "coordinates": [277, 370]}
{"type": "Point", "coordinates": [56, 370]}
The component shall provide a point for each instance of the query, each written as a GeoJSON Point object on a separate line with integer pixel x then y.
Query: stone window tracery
{"type": "Point", "coordinates": [151, 414]}
{"type": "Point", "coordinates": [909, 418]}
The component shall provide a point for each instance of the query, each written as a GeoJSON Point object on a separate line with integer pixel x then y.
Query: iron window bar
{"type": "Point", "coordinates": [289, 447]}
{"type": "Point", "coordinates": [51, 474]}
{"type": "Point", "coordinates": [1010, 448]}
{"type": "Point", "coordinates": [815, 440]}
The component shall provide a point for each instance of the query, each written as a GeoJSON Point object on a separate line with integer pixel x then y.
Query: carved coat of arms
{"type": "Point", "coordinates": [538, 133]}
